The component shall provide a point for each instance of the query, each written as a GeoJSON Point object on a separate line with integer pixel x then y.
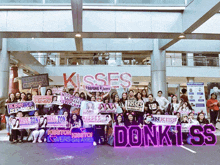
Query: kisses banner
{"type": "Point", "coordinates": [69, 99]}
{"type": "Point", "coordinates": [21, 106]}
{"type": "Point", "coordinates": [74, 135]}
{"type": "Point", "coordinates": [134, 105]}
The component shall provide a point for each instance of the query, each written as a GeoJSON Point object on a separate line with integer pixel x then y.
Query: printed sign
{"type": "Point", "coordinates": [164, 120]}
{"type": "Point", "coordinates": [134, 105]}
{"type": "Point", "coordinates": [98, 119]}
{"type": "Point", "coordinates": [196, 96]}
{"type": "Point", "coordinates": [74, 135]}
{"type": "Point", "coordinates": [38, 99]}
{"type": "Point", "coordinates": [107, 108]}
{"type": "Point", "coordinates": [69, 99]}
{"type": "Point", "coordinates": [34, 81]}
{"type": "Point", "coordinates": [98, 88]}
{"type": "Point", "coordinates": [21, 106]}
{"type": "Point", "coordinates": [57, 90]}
{"type": "Point", "coordinates": [55, 121]}
{"type": "Point", "coordinates": [24, 122]}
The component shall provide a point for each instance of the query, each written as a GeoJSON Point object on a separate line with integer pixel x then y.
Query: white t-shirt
{"type": "Point", "coordinates": [163, 102]}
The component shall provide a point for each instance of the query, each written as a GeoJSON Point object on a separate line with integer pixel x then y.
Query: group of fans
{"type": "Point", "coordinates": [158, 105]}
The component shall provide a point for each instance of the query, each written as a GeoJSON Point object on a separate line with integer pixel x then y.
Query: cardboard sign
{"type": "Point", "coordinates": [98, 88]}
{"type": "Point", "coordinates": [24, 122]}
{"type": "Point", "coordinates": [35, 81]}
{"type": "Point", "coordinates": [134, 105]}
{"type": "Point", "coordinates": [74, 135]}
{"type": "Point", "coordinates": [38, 99]}
{"type": "Point", "coordinates": [21, 106]}
{"type": "Point", "coordinates": [46, 121]}
{"type": "Point", "coordinates": [69, 99]}
{"type": "Point", "coordinates": [107, 108]}
{"type": "Point", "coordinates": [164, 120]}
{"type": "Point", "coordinates": [196, 96]}
{"type": "Point", "coordinates": [98, 119]}
{"type": "Point", "coordinates": [57, 90]}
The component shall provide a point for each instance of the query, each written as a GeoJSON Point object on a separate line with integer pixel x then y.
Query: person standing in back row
{"type": "Point", "coordinates": [184, 97]}
{"type": "Point", "coordinates": [163, 102]}
{"type": "Point", "coordinates": [213, 105]}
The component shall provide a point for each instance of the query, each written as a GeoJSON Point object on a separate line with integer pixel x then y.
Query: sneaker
{"type": "Point", "coordinates": [34, 141]}
{"type": "Point", "coordinates": [94, 144]}
{"type": "Point", "coordinates": [39, 141]}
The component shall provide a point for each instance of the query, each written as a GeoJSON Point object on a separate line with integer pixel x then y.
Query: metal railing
{"type": "Point", "coordinates": [106, 59]}
{"type": "Point", "coordinates": [98, 2]}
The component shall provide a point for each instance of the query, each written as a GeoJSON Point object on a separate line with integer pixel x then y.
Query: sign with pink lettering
{"type": "Point", "coordinates": [107, 108]}
{"type": "Point", "coordinates": [164, 120]}
{"type": "Point", "coordinates": [114, 79]}
{"type": "Point", "coordinates": [38, 99]}
{"type": "Point", "coordinates": [74, 135]}
{"type": "Point", "coordinates": [57, 90]}
{"type": "Point", "coordinates": [21, 106]}
{"type": "Point", "coordinates": [24, 122]}
{"type": "Point", "coordinates": [55, 121]}
{"type": "Point", "coordinates": [98, 119]}
{"type": "Point", "coordinates": [69, 99]}
{"type": "Point", "coordinates": [98, 88]}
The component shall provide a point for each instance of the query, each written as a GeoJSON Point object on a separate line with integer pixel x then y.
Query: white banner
{"type": "Point", "coordinates": [196, 96]}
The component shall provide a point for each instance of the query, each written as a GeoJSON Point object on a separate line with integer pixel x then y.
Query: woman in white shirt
{"type": "Point", "coordinates": [173, 106]}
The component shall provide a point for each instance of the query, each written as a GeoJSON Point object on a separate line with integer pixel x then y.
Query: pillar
{"type": "Point", "coordinates": [118, 59]}
{"type": "Point", "coordinates": [42, 58]}
{"type": "Point", "coordinates": [218, 64]}
{"type": "Point", "coordinates": [190, 60]}
{"type": "Point", "coordinates": [58, 59]}
{"type": "Point", "coordinates": [190, 79]}
{"type": "Point", "coordinates": [158, 70]}
{"type": "Point", "coordinates": [4, 74]}
{"type": "Point", "coordinates": [43, 90]}
{"type": "Point", "coordinates": [13, 85]}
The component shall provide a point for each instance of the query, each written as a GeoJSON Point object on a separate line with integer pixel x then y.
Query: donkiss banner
{"type": "Point", "coordinates": [98, 88]}
{"type": "Point", "coordinates": [196, 96]}
{"type": "Point", "coordinates": [164, 120]}
{"type": "Point", "coordinates": [69, 99]}
{"type": "Point", "coordinates": [21, 106]}
{"type": "Point", "coordinates": [134, 105]}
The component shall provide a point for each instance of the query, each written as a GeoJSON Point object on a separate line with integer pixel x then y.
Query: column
{"type": "Point", "coordinates": [158, 70]}
{"type": "Point", "coordinates": [118, 59]}
{"type": "Point", "coordinates": [43, 90]}
{"type": "Point", "coordinates": [58, 59]}
{"type": "Point", "coordinates": [190, 79]}
{"type": "Point", "coordinates": [42, 58]}
{"type": "Point", "coordinates": [218, 60]}
{"type": "Point", "coordinates": [4, 74]}
{"type": "Point", "coordinates": [13, 85]}
{"type": "Point", "coordinates": [190, 60]}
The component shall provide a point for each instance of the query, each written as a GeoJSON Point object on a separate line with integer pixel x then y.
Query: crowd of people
{"type": "Point", "coordinates": [158, 105]}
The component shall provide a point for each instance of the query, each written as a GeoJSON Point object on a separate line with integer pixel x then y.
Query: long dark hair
{"type": "Point", "coordinates": [177, 101]}
{"type": "Point", "coordinates": [16, 122]}
{"type": "Point", "coordinates": [84, 97]}
{"type": "Point", "coordinates": [118, 98]}
{"type": "Point", "coordinates": [48, 90]}
{"type": "Point", "coordinates": [116, 118]}
{"type": "Point", "coordinates": [77, 118]}
{"type": "Point", "coordinates": [145, 91]}
{"type": "Point", "coordinates": [198, 119]}
{"type": "Point", "coordinates": [41, 124]}
{"type": "Point", "coordinates": [9, 99]}
{"type": "Point", "coordinates": [137, 95]}
{"type": "Point", "coordinates": [29, 94]}
{"type": "Point", "coordinates": [25, 97]}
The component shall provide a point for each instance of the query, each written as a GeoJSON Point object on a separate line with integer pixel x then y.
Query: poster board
{"type": "Point", "coordinates": [134, 105]}
{"type": "Point", "coordinates": [34, 81]}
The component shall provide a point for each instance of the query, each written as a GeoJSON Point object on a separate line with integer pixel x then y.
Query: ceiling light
{"type": "Point", "coordinates": [129, 38]}
{"type": "Point", "coordinates": [32, 38]}
{"type": "Point", "coordinates": [182, 36]}
{"type": "Point", "coordinates": [78, 35]}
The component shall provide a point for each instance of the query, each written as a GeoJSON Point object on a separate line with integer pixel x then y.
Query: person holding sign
{"type": "Point", "coordinates": [213, 105]}
{"type": "Point", "coordinates": [201, 119]}
{"type": "Point", "coordinates": [152, 105]}
{"type": "Point", "coordinates": [173, 106]}
{"type": "Point", "coordinates": [75, 122]}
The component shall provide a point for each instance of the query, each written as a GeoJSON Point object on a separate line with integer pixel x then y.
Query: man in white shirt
{"type": "Point", "coordinates": [163, 102]}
